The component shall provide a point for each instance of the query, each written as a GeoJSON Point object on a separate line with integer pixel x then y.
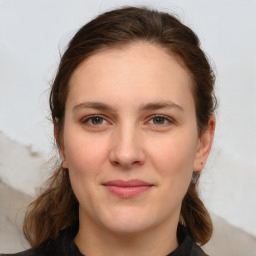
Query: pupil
{"type": "Point", "coordinates": [159, 120]}
{"type": "Point", "coordinates": [97, 120]}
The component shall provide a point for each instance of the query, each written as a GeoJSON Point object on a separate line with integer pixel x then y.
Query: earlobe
{"type": "Point", "coordinates": [60, 147]}
{"type": "Point", "coordinates": [64, 164]}
{"type": "Point", "coordinates": [204, 145]}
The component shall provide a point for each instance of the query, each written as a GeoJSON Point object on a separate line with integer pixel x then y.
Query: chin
{"type": "Point", "coordinates": [127, 221]}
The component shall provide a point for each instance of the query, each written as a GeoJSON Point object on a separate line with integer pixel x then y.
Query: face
{"type": "Point", "coordinates": [130, 138]}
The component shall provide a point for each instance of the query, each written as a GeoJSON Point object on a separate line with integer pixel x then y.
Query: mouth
{"type": "Point", "coordinates": [127, 189]}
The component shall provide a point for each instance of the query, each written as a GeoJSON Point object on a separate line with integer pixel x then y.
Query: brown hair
{"type": "Point", "coordinates": [57, 207]}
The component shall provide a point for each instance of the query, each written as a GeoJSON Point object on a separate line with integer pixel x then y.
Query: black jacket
{"type": "Point", "coordinates": [64, 246]}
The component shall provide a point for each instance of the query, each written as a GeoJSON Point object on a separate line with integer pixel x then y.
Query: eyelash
{"type": "Point", "coordinates": [165, 118]}
{"type": "Point", "coordinates": [89, 119]}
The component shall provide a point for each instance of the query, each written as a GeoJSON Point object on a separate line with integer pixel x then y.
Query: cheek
{"type": "Point", "coordinates": [173, 159]}
{"type": "Point", "coordinates": [85, 153]}
{"type": "Point", "coordinates": [172, 153]}
{"type": "Point", "coordinates": [85, 156]}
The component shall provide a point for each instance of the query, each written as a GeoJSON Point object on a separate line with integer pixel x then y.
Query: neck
{"type": "Point", "coordinates": [93, 240]}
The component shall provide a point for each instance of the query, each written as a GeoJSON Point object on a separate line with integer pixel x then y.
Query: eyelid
{"type": "Point", "coordinates": [168, 118]}
{"type": "Point", "coordinates": [87, 118]}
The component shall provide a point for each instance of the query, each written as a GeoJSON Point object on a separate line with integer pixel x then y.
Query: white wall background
{"type": "Point", "coordinates": [31, 34]}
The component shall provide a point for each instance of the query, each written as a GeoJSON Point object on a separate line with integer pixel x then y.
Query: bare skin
{"type": "Point", "coordinates": [130, 115]}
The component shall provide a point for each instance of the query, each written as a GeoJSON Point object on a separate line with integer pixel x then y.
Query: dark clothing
{"type": "Point", "coordinates": [64, 246]}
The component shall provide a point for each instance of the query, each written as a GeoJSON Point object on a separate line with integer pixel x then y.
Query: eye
{"type": "Point", "coordinates": [160, 120]}
{"type": "Point", "coordinates": [95, 121]}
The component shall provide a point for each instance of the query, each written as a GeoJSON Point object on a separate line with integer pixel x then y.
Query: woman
{"type": "Point", "coordinates": [133, 111]}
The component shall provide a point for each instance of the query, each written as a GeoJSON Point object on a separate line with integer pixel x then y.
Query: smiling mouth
{"type": "Point", "coordinates": [127, 189]}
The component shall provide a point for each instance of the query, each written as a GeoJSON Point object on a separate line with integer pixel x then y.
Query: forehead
{"type": "Point", "coordinates": [135, 52]}
{"type": "Point", "coordinates": [138, 69]}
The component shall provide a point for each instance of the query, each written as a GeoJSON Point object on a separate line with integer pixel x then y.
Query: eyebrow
{"type": "Point", "coordinates": [145, 107]}
{"type": "Point", "coordinates": [160, 105]}
{"type": "Point", "coordinates": [95, 105]}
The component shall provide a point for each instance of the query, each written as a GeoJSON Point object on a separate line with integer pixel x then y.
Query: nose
{"type": "Point", "coordinates": [126, 148]}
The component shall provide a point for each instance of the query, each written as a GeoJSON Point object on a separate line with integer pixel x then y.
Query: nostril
{"type": "Point", "coordinates": [115, 163]}
{"type": "Point", "coordinates": [127, 161]}
{"type": "Point", "coordinates": [126, 151]}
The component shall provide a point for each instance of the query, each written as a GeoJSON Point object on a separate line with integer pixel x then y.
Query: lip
{"type": "Point", "coordinates": [127, 189]}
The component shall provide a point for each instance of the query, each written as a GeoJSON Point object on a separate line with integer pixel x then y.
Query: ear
{"type": "Point", "coordinates": [204, 145]}
{"type": "Point", "coordinates": [59, 144]}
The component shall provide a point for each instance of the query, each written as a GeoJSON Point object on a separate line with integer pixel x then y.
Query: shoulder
{"type": "Point", "coordinates": [197, 250]}
{"type": "Point", "coordinates": [40, 251]}
{"type": "Point", "coordinates": [63, 245]}
{"type": "Point", "coordinates": [49, 248]}
{"type": "Point", "coordinates": [187, 244]}
{"type": "Point", "coordinates": [30, 252]}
